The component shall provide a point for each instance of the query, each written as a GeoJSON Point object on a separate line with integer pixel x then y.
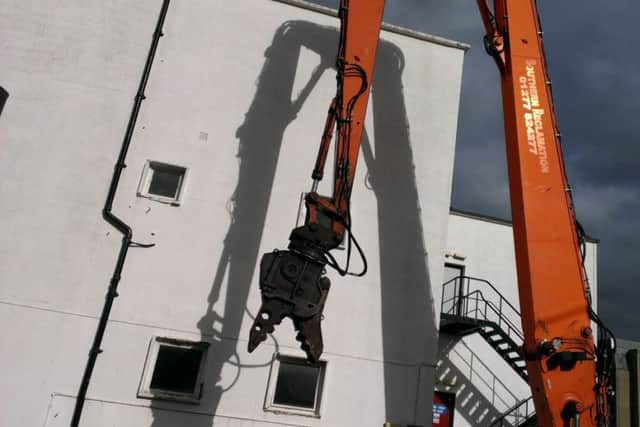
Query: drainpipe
{"type": "Point", "coordinates": [116, 222]}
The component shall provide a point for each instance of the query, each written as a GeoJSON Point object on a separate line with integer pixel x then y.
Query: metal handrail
{"type": "Point", "coordinates": [474, 304]}
{"type": "Point", "coordinates": [478, 305]}
{"type": "Point", "coordinates": [469, 369]}
{"type": "Point", "coordinates": [516, 415]}
{"type": "Point", "coordinates": [486, 282]}
{"type": "Point", "coordinates": [501, 319]}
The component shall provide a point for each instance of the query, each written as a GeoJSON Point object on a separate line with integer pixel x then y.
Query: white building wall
{"type": "Point", "coordinates": [221, 102]}
{"type": "Point", "coordinates": [484, 383]}
{"type": "Point", "coordinates": [71, 69]}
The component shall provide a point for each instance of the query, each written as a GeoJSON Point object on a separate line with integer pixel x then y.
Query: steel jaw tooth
{"type": "Point", "coordinates": [304, 343]}
{"type": "Point", "coordinates": [257, 335]}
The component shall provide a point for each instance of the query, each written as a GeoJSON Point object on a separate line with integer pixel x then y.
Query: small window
{"type": "Point", "coordinates": [295, 386]}
{"type": "Point", "coordinates": [174, 370]}
{"type": "Point", "coordinates": [162, 182]}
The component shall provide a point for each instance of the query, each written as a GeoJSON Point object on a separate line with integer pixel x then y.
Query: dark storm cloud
{"type": "Point", "coordinates": [592, 52]}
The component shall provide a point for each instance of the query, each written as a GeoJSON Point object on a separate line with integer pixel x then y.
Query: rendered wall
{"type": "Point", "coordinates": [71, 69]}
{"type": "Point", "coordinates": [485, 385]}
{"type": "Point", "coordinates": [227, 98]}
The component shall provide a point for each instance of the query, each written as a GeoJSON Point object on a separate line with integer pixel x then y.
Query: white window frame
{"type": "Point", "coordinates": [147, 175]}
{"type": "Point", "coordinates": [271, 406]}
{"type": "Point", "coordinates": [144, 389]}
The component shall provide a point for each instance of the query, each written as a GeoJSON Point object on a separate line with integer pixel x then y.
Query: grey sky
{"type": "Point", "coordinates": [592, 51]}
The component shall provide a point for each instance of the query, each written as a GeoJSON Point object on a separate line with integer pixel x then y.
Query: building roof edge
{"type": "Point", "coordinates": [496, 220]}
{"type": "Point", "coordinates": [386, 27]}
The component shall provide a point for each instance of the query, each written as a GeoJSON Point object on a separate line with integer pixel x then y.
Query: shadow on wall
{"type": "Point", "coordinates": [481, 396]}
{"type": "Point", "coordinates": [408, 315]}
{"type": "Point", "coordinates": [405, 280]}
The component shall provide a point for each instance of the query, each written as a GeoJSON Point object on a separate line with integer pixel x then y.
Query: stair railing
{"type": "Point", "coordinates": [517, 415]}
{"type": "Point", "coordinates": [460, 300]}
{"type": "Point", "coordinates": [477, 299]}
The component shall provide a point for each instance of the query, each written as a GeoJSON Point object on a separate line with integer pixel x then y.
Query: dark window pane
{"type": "Point", "coordinates": [296, 385]}
{"type": "Point", "coordinates": [165, 181]}
{"type": "Point", "coordinates": [176, 369]}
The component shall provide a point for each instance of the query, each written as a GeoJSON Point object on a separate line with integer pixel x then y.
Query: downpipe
{"type": "Point", "coordinates": [116, 222]}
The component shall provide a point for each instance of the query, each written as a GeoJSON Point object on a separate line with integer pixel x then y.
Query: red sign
{"type": "Point", "coordinates": [443, 408]}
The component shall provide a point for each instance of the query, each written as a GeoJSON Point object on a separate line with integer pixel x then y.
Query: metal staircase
{"type": "Point", "coordinates": [471, 305]}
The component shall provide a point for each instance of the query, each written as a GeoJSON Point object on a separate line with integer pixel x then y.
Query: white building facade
{"type": "Point", "coordinates": [220, 153]}
{"type": "Point", "coordinates": [218, 157]}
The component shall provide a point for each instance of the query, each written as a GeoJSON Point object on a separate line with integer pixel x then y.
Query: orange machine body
{"type": "Point", "coordinates": [356, 59]}
{"type": "Point", "coordinates": [553, 287]}
{"type": "Point", "coordinates": [554, 296]}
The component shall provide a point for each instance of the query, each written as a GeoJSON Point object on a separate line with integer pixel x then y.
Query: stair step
{"type": "Point", "coordinates": [504, 341]}
{"type": "Point", "coordinates": [509, 346]}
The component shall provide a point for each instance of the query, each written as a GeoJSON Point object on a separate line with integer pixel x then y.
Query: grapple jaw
{"type": "Point", "coordinates": [292, 285]}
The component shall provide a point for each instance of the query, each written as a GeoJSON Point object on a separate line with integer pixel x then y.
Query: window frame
{"type": "Point", "coordinates": [457, 285]}
{"type": "Point", "coordinates": [269, 402]}
{"type": "Point", "coordinates": [144, 388]}
{"type": "Point", "coordinates": [456, 266]}
{"type": "Point", "coordinates": [147, 175]}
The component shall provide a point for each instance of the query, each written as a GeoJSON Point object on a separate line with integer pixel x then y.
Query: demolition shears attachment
{"type": "Point", "coordinates": [293, 284]}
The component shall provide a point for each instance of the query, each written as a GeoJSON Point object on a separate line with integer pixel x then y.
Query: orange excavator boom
{"type": "Point", "coordinates": [293, 282]}
{"type": "Point", "coordinates": [568, 375]}
{"type": "Point", "coordinates": [555, 298]}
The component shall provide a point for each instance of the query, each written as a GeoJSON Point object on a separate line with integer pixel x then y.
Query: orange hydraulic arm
{"type": "Point", "coordinates": [554, 292]}
{"type": "Point", "coordinates": [292, 282]}
{"type": "Point", "coordinates": [568, 376]}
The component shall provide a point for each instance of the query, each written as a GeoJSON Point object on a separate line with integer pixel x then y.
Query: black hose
{"type": "Point", "coordinates": [120, 225]}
